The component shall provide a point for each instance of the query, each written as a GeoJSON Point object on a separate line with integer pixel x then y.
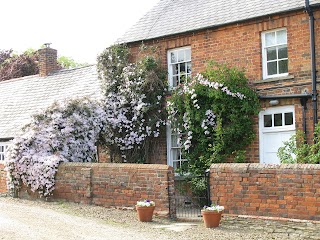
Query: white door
{"type": "Point", "coordinates": [276, 125]}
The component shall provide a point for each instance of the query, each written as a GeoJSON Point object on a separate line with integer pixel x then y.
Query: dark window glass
{"type": "Point", "coordinates": [288, 118]}
{"type": "Point", "coordinates": [271, 54]}
{"type": "Point", "coordinates": [272, 68]}
{"type": "Point", "coordinates": [278, 119]}
{"type": "Point", "coordinates": [267, 120]}
{"type": "Point", "coordinates": [189, 67]}
{"type": "Point", "coordinates": [283, 66]}
{"type": "Point", "coordinates": [282, 52]}
{"type": "Point", "coordinates": [175, 69]}
{"type": "Point", "coordinates": [182, 67]}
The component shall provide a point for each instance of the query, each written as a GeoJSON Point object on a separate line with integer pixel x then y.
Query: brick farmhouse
{"type": "Point", "coordinates": [277, 42]}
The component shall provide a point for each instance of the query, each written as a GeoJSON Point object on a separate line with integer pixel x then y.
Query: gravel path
{"type": "Point", "coordinates": [23, 219]}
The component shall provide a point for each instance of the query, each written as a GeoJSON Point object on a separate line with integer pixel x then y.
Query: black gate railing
{"type": "Point", "coordinates": [191, 194]}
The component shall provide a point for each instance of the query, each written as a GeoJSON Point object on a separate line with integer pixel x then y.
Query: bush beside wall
{"type": "Point", "coordinates": [287, 190]}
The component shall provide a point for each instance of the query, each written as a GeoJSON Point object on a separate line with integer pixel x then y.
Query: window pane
{"type": "Point", "coordinates": [283, 66]}
{"type": "Point", "coordinates": [281, 36]}
{"type": "Point", "coordinates": [174, 140]}
{"type": "Point", "coordinates": [288, 118]}
{"type": "Point", "coordinates": [175, 69]}
{"type": "Point", "coordinates": [174, 57]}
{"type": "Point", "coordinates": [267, 119]}
{"type": "Point", "coordinates": [272, 68]}
{"type": "Point", "coordinates": [181, 57]}
{"type": "Point", "coordinates": [182, 67]}
{"type": "Point", "coordinates": [188, 54]}
{"type": "Point", "coordinates": [175, 153]}
{"type": "Point", "coordinates": [189, 67]}
{"type": "Point", "coordinates": [270, 39]}
{"type": "Point", "coordinates": [174, 81]}
{"type": "Point", "coordinates": [282, 52]}
{"type": "Point", "coordinates": [176, 165]}
{"type": "Point", "coordinates": [278, 119]}
{"type": "Point", "coordinates": [271, 54]}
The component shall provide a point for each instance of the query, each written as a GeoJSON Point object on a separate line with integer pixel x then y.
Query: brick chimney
{"type": "Point", "coordinates": [47, 60]}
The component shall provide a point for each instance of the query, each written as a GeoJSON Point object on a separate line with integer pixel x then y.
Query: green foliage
{"type": "Point", "coordinates": [67, 62]}
{"type": "Point", "coordinates": [297, 150]}
{"type": "Point", "coordinates": [214, 116]}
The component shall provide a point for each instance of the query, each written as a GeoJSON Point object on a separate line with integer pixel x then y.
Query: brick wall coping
{"type": "Point", "coordinates": [118, 165]}
{"type": "Point", "coordinates": [239, 167]}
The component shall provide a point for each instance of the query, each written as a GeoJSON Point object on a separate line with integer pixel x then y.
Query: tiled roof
{"type": "Point", "coordinates": [170, 17]}
{"type": "Point", "coordinates": [22, 97]}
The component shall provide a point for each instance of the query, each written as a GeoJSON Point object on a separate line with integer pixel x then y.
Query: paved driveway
{"type": "Point", "coordinates": [19, 220]}
{"type": "Point", "coordinates": [24, 220]}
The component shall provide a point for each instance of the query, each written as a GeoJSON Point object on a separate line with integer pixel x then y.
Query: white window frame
{"type": "Point", "coordinates": [277, 110]}
{"type": "Point", "coordinates": [3, 146]}
{"type": "Point", "coordinates": [264, 54]}
{"type": "Point", "coordinates": [170, 64]}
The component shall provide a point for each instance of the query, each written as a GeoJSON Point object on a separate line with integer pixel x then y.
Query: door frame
{"type": "Point", "coordinates": [262, 130]}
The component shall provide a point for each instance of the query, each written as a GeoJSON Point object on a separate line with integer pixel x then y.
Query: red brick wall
{"type": "Point", "coordinates": [288, 190]}
{"type": "Point", "coordinates": [116, 185]}
{"type": "Point", "coordinates": [3, 181]}
{"type": "Point", "coordinates": [240, 45]}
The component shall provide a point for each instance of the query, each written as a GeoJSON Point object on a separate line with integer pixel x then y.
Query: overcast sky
{"type": "Point", "coordinates": [79, 29]}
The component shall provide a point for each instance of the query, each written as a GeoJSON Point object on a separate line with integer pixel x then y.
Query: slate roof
{"type": "Point", "coordinates": [22, 97]}
{"type": "Point", "coordinates": [170, 17]}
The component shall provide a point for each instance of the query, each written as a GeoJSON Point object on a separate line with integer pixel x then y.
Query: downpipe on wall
{"type": "Point", "coordinates": [313, 63]}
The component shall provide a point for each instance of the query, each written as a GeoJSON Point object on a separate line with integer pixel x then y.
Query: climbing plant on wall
{"type": "Point", "coordinates": [134, 101]}
{"type": "Point", "coordinates": [213, 116]}
{"type": "Point", "coordinates": [65, 132]}
{"type": "Point", "coordinates": [128, 116]}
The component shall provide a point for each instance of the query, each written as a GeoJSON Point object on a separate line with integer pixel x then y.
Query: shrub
{"type": "Point", "coordinates": [297, 150]}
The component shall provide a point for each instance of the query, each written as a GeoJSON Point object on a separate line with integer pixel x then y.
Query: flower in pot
{"type": "Point", "coordinates": [145, 210]}
{"type": "Point", "coordinates": [212, 215]}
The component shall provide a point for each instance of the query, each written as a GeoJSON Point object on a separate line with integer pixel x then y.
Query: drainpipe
{"type": "Point", "coordinates": [313, 63]}
{"type": "Point", "coordinates": [303, 102]}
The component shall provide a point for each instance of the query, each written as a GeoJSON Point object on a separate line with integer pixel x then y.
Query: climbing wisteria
{"type": "Point", "coordinates": [212, 116]}
{"type": "Point", "coordinates": [134, 102]}
{"type": "Point", "coordinates": [65, 132]}
{"type": "Point", "coordinates": [191, 108]}
{"type": "Point", "coordinates": [126, 119]}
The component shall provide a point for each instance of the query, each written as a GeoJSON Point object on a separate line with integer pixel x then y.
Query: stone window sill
{"type": "Point", "coordinates": [274, 79]}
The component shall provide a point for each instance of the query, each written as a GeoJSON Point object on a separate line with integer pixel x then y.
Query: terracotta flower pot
{"type": "Point", "coordinates": [211, 218]}
{"type": "Point", "coordinates": [145, 213]}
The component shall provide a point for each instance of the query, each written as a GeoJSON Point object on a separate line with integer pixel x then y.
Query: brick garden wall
{"type": "Point", "coordinates": [3, 183]}
{"type": "Point", "coordinates": [288, 190]}
{"type": "Point", "coordinates": [115, 185]}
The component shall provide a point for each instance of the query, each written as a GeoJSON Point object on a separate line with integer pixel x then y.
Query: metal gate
{"type": "Point", "coordinates": [191, 194]}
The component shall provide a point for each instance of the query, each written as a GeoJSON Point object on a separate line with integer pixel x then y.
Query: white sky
{"type": "Point", "coordinates": [79, 29]}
